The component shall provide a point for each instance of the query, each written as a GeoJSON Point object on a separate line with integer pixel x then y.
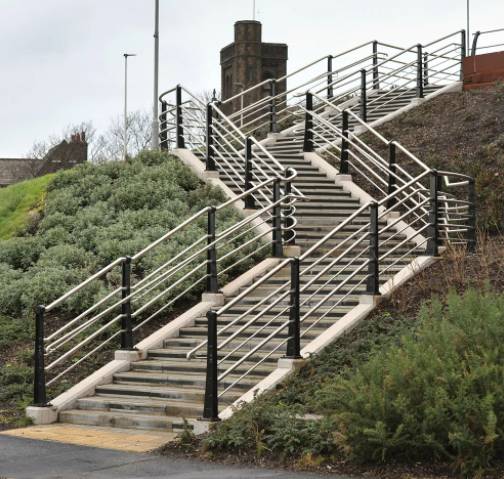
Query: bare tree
{"type": "Point", "coordinates": [107, 146]}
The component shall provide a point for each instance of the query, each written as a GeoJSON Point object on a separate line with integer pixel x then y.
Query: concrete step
{"type": "Point", "coordinates": [186, 378]}
{"type": "Point", "coordinates": [165, 392]}
{"type": "Point", "coordinates": [121, 420]}
{"type": "Point", "coordinates": [132, 405]}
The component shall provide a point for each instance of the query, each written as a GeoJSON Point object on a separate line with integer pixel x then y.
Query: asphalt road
{"type": "Point", "coordinates": [29, 459]}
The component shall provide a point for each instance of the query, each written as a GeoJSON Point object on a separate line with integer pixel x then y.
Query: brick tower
{"type": "Point", "coordinates": [248, 61]}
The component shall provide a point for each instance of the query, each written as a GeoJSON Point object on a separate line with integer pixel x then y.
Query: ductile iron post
{"type": "Point", "coordinates": [211, 404]}
{"type": "Point", "coordinates": [273, 112]}
{"type": "Point", "coordinates": [373, 281]}
{"type": "Point", "coordinates": [343, 169]}
{"type": "Point", "coordinates": [212, 285]}
{"type": "Point", "coordinates": [392, 177]}
{"type": "Point", "coordinates": [294, 341]}
{"type": "Point", "coordinates": [277, 221]}
{"type": "Point", "coordinates": [179, 119]}
{"type": "Point", "coordinates": [308, 132]}
{"type": "Point", "coordinates": [126, 322]}
{"type": "Point", "coordinates": [363, 99]}
{"type": "Point", "coordinates": [210, 153]}
{"type": "Point", "coordinates": [433, 240]}
{"type": "Point", "coordinates": [472, 234]}
{"type": "Point", "coordinates": [39, 383]}
{"type": "Point", "coordinates": [376, 73]}
{"type": "Point", "coordinates": [330, 87]}
{"type": "Point", "coordinates": [249, 199]}
{"type": "Point", "coordinates": [420, 71]}
{"type": "Point", "coordinates": [164, 133]}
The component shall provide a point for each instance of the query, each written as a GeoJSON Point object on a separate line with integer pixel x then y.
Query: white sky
{"type": "Point", "coordinates": [62, 59]}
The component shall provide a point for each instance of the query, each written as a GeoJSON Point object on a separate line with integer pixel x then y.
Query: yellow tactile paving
{"type": "Point", "coordinates": [104, 438]}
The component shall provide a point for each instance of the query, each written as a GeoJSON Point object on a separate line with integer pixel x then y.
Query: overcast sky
{"type": "Point", "coordinates": [61, 60]}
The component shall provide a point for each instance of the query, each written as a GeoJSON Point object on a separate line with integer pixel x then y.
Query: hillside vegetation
{"type": "Point", "coordinates": [90, 216]}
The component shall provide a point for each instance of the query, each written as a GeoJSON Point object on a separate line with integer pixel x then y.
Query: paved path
{"type": "Point", "coordinates": [30, 459]}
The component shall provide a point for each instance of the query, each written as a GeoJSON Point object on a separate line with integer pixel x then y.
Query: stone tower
{"type": "Point", "coordinates": [248, 61]}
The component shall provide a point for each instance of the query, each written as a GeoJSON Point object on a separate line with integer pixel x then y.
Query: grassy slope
{"type": "Point", "coordinates": [18, 201]}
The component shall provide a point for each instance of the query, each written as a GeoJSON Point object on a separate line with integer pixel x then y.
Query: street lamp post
{"type": "Point", "coordinates": [155, 119]}
{"type": "Point", "coordinates": [468, 33]}
{"type": "Point", "coordinates": [126, 56]}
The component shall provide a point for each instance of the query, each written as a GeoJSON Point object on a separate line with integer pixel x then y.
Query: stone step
{"type": "Point", "coordinates": [193, 379]}
{"type": "Point", "coordinates": [132, 405]}
{"type": "Point", "coordinates": [194, 365]}
{"type": "Point", "coordinates": [121, 420]}
{"type": "Point", "coordinates": [165, 392]}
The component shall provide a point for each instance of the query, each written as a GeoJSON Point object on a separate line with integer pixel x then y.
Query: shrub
{"type": "Point", "coordinates": [261, 428]}
{"type": "Point", "coordinates": [435, 396]}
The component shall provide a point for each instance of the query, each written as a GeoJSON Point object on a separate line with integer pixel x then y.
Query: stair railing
{"type": "Point", "coordinates": [477, 48]}
{"type": "Point", "coordinates": [354, 258]}
{"type": "Point", "coordinates": [182, 120]}
{"type": "Point", "coordinates": [278, 109]}
{"type": "Point", "coordinates": [380, 166]}
{"type": "Point", "coordinates": [121, 300]}
{"type": "Point", "coordinates": [415, 213]}
{"type": "Point", "coordinates": [415, 68]}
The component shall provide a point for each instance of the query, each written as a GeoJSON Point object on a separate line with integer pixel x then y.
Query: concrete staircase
{"type": "Point", "coordinates": [162, 390]}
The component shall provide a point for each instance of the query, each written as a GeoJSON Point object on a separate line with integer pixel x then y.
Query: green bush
{"type": "Point", "coordinates": [262, 428]}
{"type": "Point", "coordinates": [435, 396]}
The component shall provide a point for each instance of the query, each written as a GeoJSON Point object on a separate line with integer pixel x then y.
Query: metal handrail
{"type": "Point", "coordinates": [478, 34]}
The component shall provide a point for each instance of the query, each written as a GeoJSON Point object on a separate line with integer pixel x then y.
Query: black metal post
{"type": "Point", "coordinates": [211, 405]}
{"type": "Point", "coordinates": [126, 326]}
{"type": "Point", "coordinates": [210, 153]}
{"type": "Point", "coordinates": [212, 285]}
{"type": "Point", "coordinates": [164, 133]}
{"type": "Point", "coordinates": [273, 114]}
{"type": "Point", "coordinates": [373, 281]}
{"type": "Point", "coordinates": [249, 199]}
{"type": "Point", "coordinates": [433, 240]}
{"type": "Point", "coordinates": [420, 82]}
{"type": "Point", "coordinates": [179, 120]}
{"type": "Point", "coordinates": [392, 179]}
{"type": "Point", "coordinates": [463, 50]}
{"type": "Point", "coordinates": [39, 383]}
{"type": "Point", "coordinates": [426, 69]}
{"type": "Point", "coordinates": [472, 240]}
{"type": "Point", "coordinates": [344, 143]}
{"type": "Point", "coordinates": [474, 49]}
{"type": "Point", "coordinates": [294, 341]}
{"type": "Point", "coordinates": [363, 99]}
{"type": "Point", "coordinates": [308, 132]}
{"type": "Point", "coordinates": [330, 87]}
{"type": "Point", "coordinates": [376, 73]}
{"type": "Point", "coordinates": [277, 221]}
